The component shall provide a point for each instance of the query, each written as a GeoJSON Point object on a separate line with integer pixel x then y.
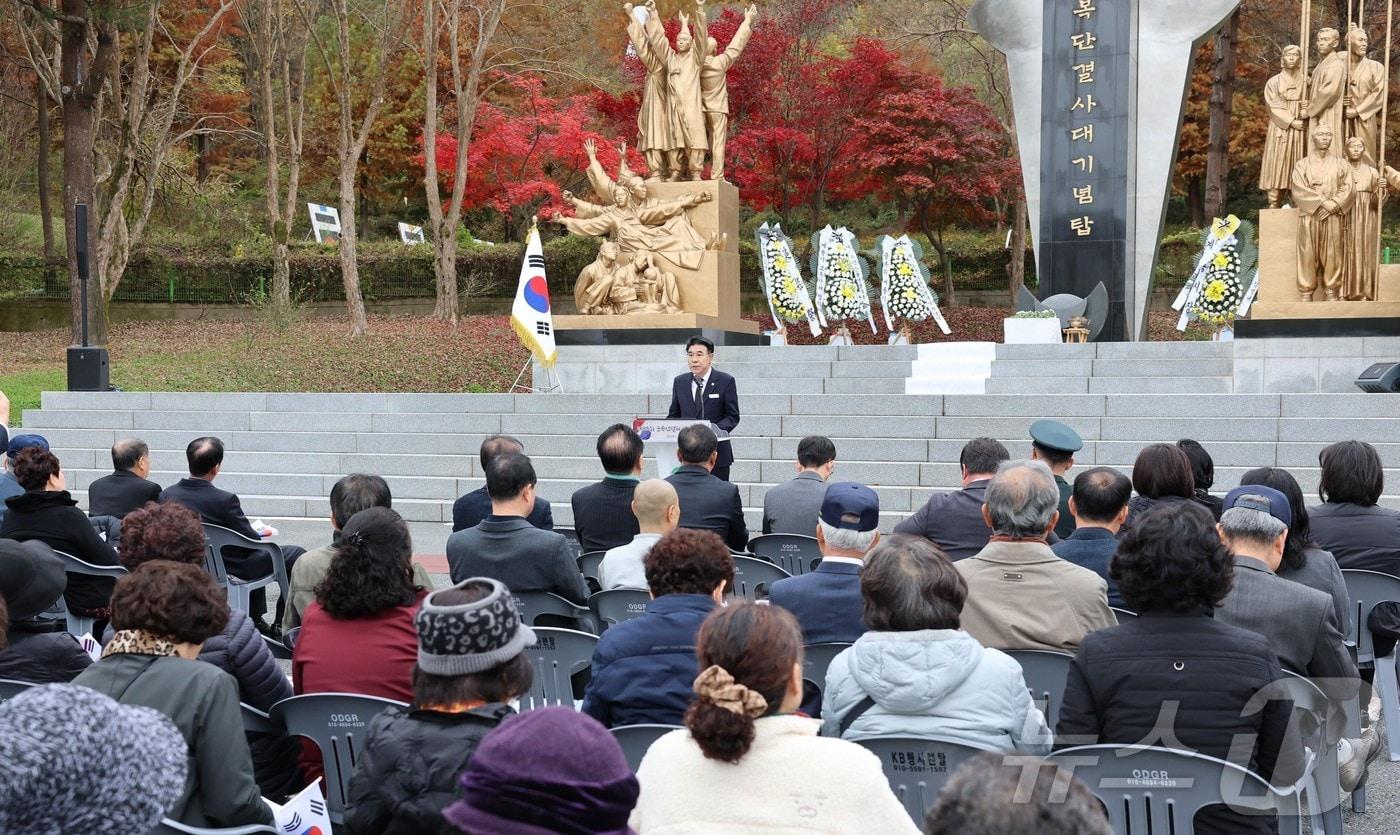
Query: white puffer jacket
{"type": "Point", "coordinates": [933, 683]}
{"type": "Point", "coordinates": [790, 781]}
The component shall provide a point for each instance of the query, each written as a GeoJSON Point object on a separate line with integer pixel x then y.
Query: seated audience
{"type": "Point", "coordinates": [505, 546]}
{"type": "Point", "coordinates": [658, 512]}
{"type": "Point", "coordinates": [1176, 676]}
{"type": "Point", "coordinates": [129, 486]}
{"type": "Point", "coordinates": [205, 457]}
{"type": "Point", "coordinates": [745, 761]}
{"type": "Point", "coordinates": [827, 602]}
{"type": "Point", "coordinates": [1298, 622]}
{"type": "Point", "coordinates": [72, 760]}
{"type": "Point", "coordinates": [1161, 475]}
{"type": "Point", "coordinates": [1019, 594]}
{"type": "Point", "coordinates": [1303, 560]}
{"type": "Point", "coordinates": [989, 796]}
{"type": "Point", "coordinates": [350, 495]}
{"type": "Point", "coordinates": [707, 503]}
{"type": "Point", "coordinates": [31, 581]}
{"type": "Point", "coordinates": [471, 508]}
{"type": "Point", "coordinates": [172, 532]}
{"type": "Point", "coordinates": [1055, 444]}
{"type": "Point", "coordinates": [1099, 504]}
{"type": "Point", "coordinates": [792, 507]}
{"type": "Point", "coordinates": [358, 636]}
{"type": "Point", "coordinates": [8, 485]}
{"type": "Point", "coordinates": [953, 521]}
{"type": "Point", "coordinates": [163, 613]}
{"type": "Point", "coordinates": [574, 779]}
{"type": "Point", "coordinates": [48, 513]}
{"type": "Point", "coordinates": [915, 673]}
{"type": "Point", "coordinates": [1202, 475]}
{"type": "Point", "coordinates": [1350, 523]}
{"type": "Point", "coordinates": [603, 516]}
{"type": "Point", "coordinates": [471, 665]}
{"type": "Point", "coordinates": [643, 667]}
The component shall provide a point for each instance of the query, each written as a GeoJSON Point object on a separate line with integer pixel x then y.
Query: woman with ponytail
{"type": "Point", "coordinates": [358, 636]}
{"type": "Point", "coordinates": [746, 761]}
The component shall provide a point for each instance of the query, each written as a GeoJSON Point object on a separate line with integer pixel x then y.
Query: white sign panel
{"type": "Point", "coordinates": [411, 234]}
{"type": "Point", "coordinates": [325, 222]}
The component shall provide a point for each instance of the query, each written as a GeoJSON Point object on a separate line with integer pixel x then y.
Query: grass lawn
{"type": "Point", "coordinates": [401, 353]}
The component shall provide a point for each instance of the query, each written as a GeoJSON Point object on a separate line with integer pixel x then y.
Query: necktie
{"type": "Point", "coordinates": [699, 396]}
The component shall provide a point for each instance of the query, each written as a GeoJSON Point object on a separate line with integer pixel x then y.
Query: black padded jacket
{"type": "Point", "coordinates": [411, 766]}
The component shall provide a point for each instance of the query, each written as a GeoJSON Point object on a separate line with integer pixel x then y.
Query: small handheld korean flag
{"type": "Point", "coordinates": [304, 814]}
{"type": "Point", "coordinates": [530, 315]}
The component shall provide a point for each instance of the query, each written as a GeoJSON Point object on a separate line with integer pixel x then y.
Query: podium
{"type": "Point", "coordinates": [659, 436]}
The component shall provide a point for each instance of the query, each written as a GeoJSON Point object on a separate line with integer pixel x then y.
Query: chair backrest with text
{"type": "Point", "coordinates": [918, 767]}
{"type": "Point", "coordinates": [337, 723]}
{"type": "Point", "coordinates": [1160, 790]}
{"type": "Point", "coordinates": [614, 606]}
{"type": "Point", "coordinates": [795, 553]}
{"type": "Point", "coordinates": [753, 577]}
{"type": "Point", "coordinates": [558, 655]}
{"type": "Point", "coordinates": [1045, 674]}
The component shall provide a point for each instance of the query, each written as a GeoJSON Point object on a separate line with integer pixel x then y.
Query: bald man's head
{"type": "Point", "coordinates": [656, 506]}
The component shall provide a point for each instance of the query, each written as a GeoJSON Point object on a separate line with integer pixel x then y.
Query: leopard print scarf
{"type": "Point", "coordinates": [138, 642]}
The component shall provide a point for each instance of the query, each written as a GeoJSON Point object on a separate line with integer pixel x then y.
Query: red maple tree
{"type": "Point", "coordinates": [941, 155]}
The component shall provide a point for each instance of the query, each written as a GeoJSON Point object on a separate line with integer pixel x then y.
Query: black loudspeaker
{"type": "Point", "coordinates": [87, 369]}
{"type": "Point", "coordinates": [1381, 378]}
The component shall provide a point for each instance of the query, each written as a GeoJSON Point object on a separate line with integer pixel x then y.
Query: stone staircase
{"type": "Point", "coordinates": [285, 451]}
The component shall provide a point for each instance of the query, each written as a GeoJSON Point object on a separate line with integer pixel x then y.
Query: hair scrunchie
{"type": "Point", "coordinates": [717, 685]}
{"type": "Point", "coordinates": [356, 539]}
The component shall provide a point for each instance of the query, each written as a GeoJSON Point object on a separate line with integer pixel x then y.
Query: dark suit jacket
{"type": "Point", "coordinates": [471, 508]}
{"type": "Point", "coordinates": [603, 516]}
{"type": "Point", "coordinates": [709, 504]}
{"type": "Point", "coordinates": [721, 407]}
{"type": "Point", "coordinates": [826, 602]}
{"type": "Point", "coordinates": [525, 558]}
{"type": "Point", "coordinates": [120, 493]}
{"type": "Point", "coordinates": [1064, 526]}
{"type": "Point", "coordinates": [1298, 622]}
{"type": "Point", "coordinates": [222, 508]}
{"type": "Point", "coordinates": [1092, 548]}
{"type": "Point", "coordinates": [1359, 537]}
{"type": "Point", "coordinates": [952, 521]}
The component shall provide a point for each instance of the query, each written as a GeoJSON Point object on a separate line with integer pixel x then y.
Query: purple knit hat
{"type": "Point", "coordinates": [549, 770]}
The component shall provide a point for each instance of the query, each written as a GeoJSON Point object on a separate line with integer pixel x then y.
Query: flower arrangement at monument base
{"type": "Point", "coordinates": [841, 283]}
{"type": "Point", "coordinates": [1217, 288]}
{"type": "Point", "coordinates": [783, 287]}
{"type": "Point", "coordinates": [904, 288]}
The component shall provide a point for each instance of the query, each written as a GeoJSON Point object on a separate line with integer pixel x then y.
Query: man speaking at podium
{"type": "Point", "coordinates": [706, 394]}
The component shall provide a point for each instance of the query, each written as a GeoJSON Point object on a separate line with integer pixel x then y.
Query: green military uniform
{"type": "Point", "coordinates": [1065, 526]}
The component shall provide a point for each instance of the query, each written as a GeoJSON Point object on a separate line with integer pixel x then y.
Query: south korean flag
{"type": "Point", "coordinates": [530, 316]}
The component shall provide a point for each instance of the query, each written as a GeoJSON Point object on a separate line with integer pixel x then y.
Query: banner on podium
{"type": "Point", "coordinates": [667, 430]}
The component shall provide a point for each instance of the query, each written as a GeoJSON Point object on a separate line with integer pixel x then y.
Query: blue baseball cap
{"type": "Point", "coordinates": [19, 442]}
{"type": "Point", "coordinates": [846, 499]}
{"type": "Point", "coordinates": [1261, 498]}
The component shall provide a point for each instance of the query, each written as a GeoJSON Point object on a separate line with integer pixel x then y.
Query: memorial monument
{"type": "Point", "coordinates": [1098, 88]}
{"type": "Point", "coordinates": [668, 267]}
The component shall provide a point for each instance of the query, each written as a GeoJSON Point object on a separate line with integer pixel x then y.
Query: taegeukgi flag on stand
{"type": "Point", "coordinates": [530, 316]}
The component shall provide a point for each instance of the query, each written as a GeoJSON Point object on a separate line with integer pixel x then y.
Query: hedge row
{"type": "Point", "coordinates": [397, 272]}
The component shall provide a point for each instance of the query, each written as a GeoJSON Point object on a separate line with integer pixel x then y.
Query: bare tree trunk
{"type": "Point", "coordinates": [444, 274]}
{"type": "Point", "coordinates": [268, 53]}
{"type": "Point", "coordinates": [349, 266]}
{"type": "Point", "coordinates": [41, 101]}
{"type": "Point", "coordinates": [1222, 89]}
{"type": "Point", "coordinates": [1016, 267]}
{"type": "Point", "coordinates": [1196, 200]}
{"type": "Point", "coordinates": [82, 80]}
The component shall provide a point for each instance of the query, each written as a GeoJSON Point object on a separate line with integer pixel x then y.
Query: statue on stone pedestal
{"type": "Point", "coordinates": [1321, 188]}
{"type": "Point", "coordinates": [1363, 230]}
{"type": "Point", "coordinates": [1365, 95]}
{"type": "Point", "coordinates": [1328, 88]}
{"type": "Point", "coordinates": [1286, 142]}
{"type": "Point", "coordinates": [714, 88]}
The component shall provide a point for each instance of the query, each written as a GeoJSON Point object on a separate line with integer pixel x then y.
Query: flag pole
{"type": "Point", "coordinates": [1385, 111]}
